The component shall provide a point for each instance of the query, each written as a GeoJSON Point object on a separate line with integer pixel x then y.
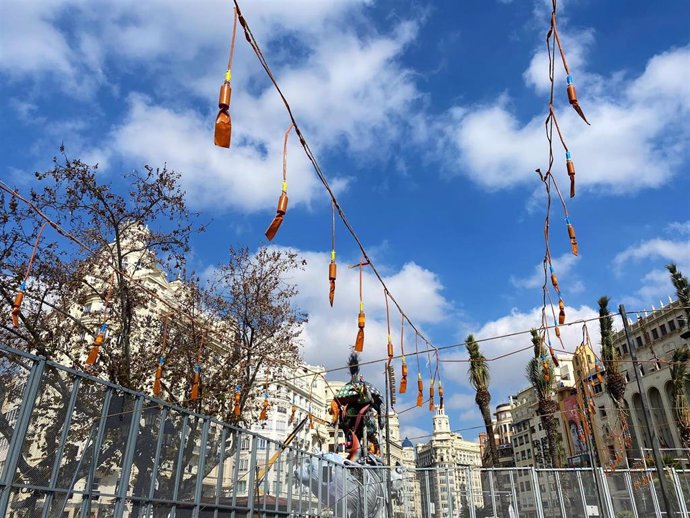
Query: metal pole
{"type": "Point", "coordinates": [19, 434]}
{"type": "Point", "coordinates": [128, 457]}
{"type": "Point", "coordinates": [389, 485]}
{"type": "Point", "coordinates": [649, 424]}
{"type": "Point", "coordinates": [201, 467]}
{"type": "Point", "coordinates": [67, 423]}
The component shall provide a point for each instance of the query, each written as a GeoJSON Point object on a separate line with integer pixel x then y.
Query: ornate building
{"type": "Point", "coordinates": [444, 471]}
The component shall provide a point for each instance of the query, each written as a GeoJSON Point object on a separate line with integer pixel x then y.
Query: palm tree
{"type": "Point", "coordinates": [679, 377]}
{"type": "Point", "coordinates": [478, 374]}
{"type": "Point", "coordinates": [679, 365]}
{"type": "Point", "coordinates": [541, 379]}
{"type": "Point", "coordinates": [615, 381]}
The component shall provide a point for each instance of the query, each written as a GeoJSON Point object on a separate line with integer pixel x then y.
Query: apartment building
{"type": "Point", "coordinates": [445, 481]}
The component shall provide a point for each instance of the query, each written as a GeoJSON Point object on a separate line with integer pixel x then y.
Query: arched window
{"type": "Point", "coordinates": [661, 422]}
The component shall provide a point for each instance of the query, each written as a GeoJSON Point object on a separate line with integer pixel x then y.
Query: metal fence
{"type": "Point", "coordinates": [75, 446]}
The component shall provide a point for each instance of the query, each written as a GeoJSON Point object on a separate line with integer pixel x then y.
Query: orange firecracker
{"type": "Point", "coordinates": [238, 398]}
{"type": "Point", "coordinates": [420, 390]}
{"type": "Point", "coordinates": [403, 379]}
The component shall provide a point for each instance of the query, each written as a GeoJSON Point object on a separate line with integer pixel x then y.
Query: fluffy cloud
{"type": "Point", "coordinates": [658, 248]}
{"type": "Point", "coordinates": [181, 52]}
{"type": "Point", "coordinates": [636, 126]}
{"type": "Point", "coordinates": [656, 283]}
{"type": "Point", "coordinates": [563, 266]}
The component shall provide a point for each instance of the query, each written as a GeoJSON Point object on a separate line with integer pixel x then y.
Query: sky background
{"type": "Point", "coordinates": [427, 118]}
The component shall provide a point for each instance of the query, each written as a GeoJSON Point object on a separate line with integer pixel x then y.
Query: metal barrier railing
{"type": "Point", "coordinates": [72, 445]}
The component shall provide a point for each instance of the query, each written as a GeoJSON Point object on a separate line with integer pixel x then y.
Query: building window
{"type": "Point", "coordinates": [642, 370]}
{"type": "Point", "coordinates": [655, 334]}
{"type": "Point", "coordinates": [638, 340]}
{"type": "Point", "coordinates": [662, 327]}
{"type": "Point", "coordinates": [671, 325]}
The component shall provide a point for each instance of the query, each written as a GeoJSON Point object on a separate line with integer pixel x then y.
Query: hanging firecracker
{"type": "Point", "coordinates": [420, 390]}
{"type": "Point", "coordinates": [552, 352]}
{"type": "Point", "coordinates": [572, 237]}
{"type": "Point", "coordinates": [223, 127]}
{"type": "Point", "coordinates": [361, 319]}
{"type": "Point", "coordinates": [293, 410]}
{"type": "Point", "coordinates": [547, 371]}
{"type": "Point", "coordinates": [440, 394]}
{"type": "Point", "coordinates": [403, 379]}
{"type": "Point", "coordinates": [16, 307]}
{"type": "Point", "coordinates": [561, 311]}
{"type": "Point", "coordinates": [19, 298]}
{"type": "Point", "coordinates": [97, 343]}
{"type": "Point", "coordinates": [263, 415]}
{"type": "Point", "coordinates": [283, 200]}
{"type": "Point", "coordinates": [311, 421]}
{"type": "Point", "coordinates": [570, 167]}
{"type": "Point", "coordinates": [196, 383]}
{"type": "Point", "coordinates": [431, 395]}
{"type": "Point", "coordinates": [100, 337]}
{"type": "Point", "coordinates": [197, 371]}
{"type": "Point", "coordinates": [572, 97]}
{"type": "Point", "coordinates": [391, 384]}
{"type": "Point", "coordinates": [332, 268]}
{"type": "Point", "coordinates": [237, 399]}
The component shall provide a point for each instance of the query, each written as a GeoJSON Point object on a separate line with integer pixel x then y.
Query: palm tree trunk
{"type": "Point", "coordinates": [547, 410]}
{"type": "Point", "coordinates": [486, 415]}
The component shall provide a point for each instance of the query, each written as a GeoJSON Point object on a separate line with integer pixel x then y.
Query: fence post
{"type": "Point", "coordinates": [251, 482]}
{"type": "Point", "coordinates": [652, 490]}
{"type": "Point", "coordinates": [221, 470]}
{"type": "Point", "coordinates": [450, 494]}
{"type": "Point", "coordinates": [559, 492]}
{"type": "Point", "coordinates": [492, 488]}
{"type": "Point", "coordinates": [19, 434]}
{"type": "Point", "coordinates": [128, 457]}
{"type": "Point", "coordinates": [628, 486]}
{"type": "Point", "coordinates": [607, 493]}
{"type": "Point", "coordinates": [583, 496]}
{"type": "Point", "coordinates": [67, 423]}
{"type": "Point", "coordinates": [513, 492]}
{"type": "Point", "coordinates": [180, 461]}
{"type": "Point", "coordinates": [470, 492]}
{"type": "Point", "coordinates": [236, 469]}
{"type": "Point", "coordinates": [679, 493]}
{"type": "Point", "coordinates": [96, 445]}
{"type": "Point", "coordinates": [157, 458]}
{"type": "Point", "coordinates": [535, 491]}
{"type": "Point", "coordinates": [201, 466]}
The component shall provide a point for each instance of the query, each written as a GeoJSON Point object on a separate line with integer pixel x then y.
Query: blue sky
{"type": "Point", "coordinates": [426, 117]}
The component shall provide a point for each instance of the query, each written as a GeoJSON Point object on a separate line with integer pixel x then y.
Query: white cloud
{"type": "Point", "coordinates": [637, 125]}
{"type": "Point", "coordinates": [346, 87]}
{"type": "Point", "coordinates": [665, 249]}
{"type": "Point", "coordinates": [563, 267]}
{"type": "Point", "coordinates": [655, 285]}
{"type": "Point", "coordinates": [679, 227]}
